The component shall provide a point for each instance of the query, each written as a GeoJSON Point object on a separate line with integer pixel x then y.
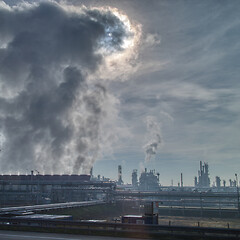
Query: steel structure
{"type": "Point", "coordinates": [41, 189]}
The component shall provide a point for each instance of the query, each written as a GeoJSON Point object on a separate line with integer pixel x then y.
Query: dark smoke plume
{"type": "Point", "coordinates": [50, 112]}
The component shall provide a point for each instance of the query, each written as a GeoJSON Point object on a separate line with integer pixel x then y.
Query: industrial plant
{"type": "Point", "coordinates": [35, 188]}
{"type": "Point", "coordinates": [34, 198]}
{"type": "Point", "coordinates": [40, 189]}
{"type": "Point", "coordinates": [203, 179]}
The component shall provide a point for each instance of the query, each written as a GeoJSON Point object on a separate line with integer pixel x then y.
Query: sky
{"type": "Point", "coordinates": [135, 83]}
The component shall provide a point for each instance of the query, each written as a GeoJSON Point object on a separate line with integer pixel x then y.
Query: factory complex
{"type": "Point", "coordinates": [43, 189]}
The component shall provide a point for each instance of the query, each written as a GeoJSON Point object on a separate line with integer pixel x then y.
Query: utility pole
{"type": "Point", "coordinates": [237, 193]}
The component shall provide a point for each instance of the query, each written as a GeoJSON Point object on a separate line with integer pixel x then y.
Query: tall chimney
{"type": "Point", "coordinates": [181, 180]}
{"type": "Point", "coordinates": [120, 181]}
{"type": "Point", "coordinates": [31, 175]}
{"type": "Point", "coordinates": [158, 174]}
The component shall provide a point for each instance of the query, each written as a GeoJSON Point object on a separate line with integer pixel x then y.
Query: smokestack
{"type": "Point", "coordinates": [31, 175]}
{"type": "Point", "coordinates": [120, 181]}
{"type": "Point", "coordinates": [195, 181]}
{"type": "Point", "coordinates": [158, 174]}
{"type": "Point", "coordinates": [224, 183]}
{"type": "Point", "coordinates": [181, 180]}
{"type": "Point", "coordinates": [91, 173]}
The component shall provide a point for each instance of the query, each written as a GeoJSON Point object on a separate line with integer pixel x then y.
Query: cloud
{"type": "Point", "coordinates": [54, 108]}
{"type": "Point", "coordinates": [151, 40]}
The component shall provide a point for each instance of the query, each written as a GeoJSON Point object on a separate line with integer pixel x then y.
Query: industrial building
{"type": "Point", "coordinates": [150, 215]}
{"type": "Point", "coordinates": [218, 182]}
{"type": "Point", "coordinates": [232, 183]}
{"type": "Point", "coordinates": [149, 181]}
{"type": "Point", "coordinates": [40, 189]}
{"type": "Point", "coordinates": [203, 179]}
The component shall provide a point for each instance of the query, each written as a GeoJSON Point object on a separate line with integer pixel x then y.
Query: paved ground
{"type": "Point", "coordinates": [16, 235]}
{"type": "Point", "coordinates": [201, 221]}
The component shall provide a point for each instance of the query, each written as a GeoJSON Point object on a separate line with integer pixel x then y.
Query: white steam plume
{"type": "Point", "coordinates": [154, 136]}
{"type": "Point", "coordinates": [54, 101]}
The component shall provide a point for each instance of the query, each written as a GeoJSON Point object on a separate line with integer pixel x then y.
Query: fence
{"type": "Point", "coordinates": [119, 229]}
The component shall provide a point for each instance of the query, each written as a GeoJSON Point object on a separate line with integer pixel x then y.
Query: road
{"type": "Point", "coordinates": [16, 235]}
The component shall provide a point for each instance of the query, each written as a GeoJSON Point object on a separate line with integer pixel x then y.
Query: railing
{"type": "Point", "coordinates": [119, 229]}
{"type": "Point", "coordinates": [51, 206]}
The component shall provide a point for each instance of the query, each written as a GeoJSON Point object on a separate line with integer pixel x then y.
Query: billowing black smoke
{"type": "Point", "coordinates": [50, 113]}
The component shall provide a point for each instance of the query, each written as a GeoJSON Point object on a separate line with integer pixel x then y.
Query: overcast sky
{"type": "Point", "coordinates": [168, 102]}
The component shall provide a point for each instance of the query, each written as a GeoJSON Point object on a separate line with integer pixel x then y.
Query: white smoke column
{"type": "Point", "coordinates": [54, 101]}
{"type": "Point", "coordinates": [154, 138]}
